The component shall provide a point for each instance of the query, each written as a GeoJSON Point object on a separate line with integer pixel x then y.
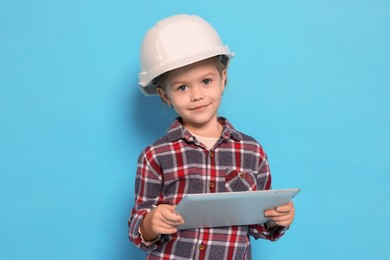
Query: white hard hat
{"type": "Point", "coordinates": [175, 42]}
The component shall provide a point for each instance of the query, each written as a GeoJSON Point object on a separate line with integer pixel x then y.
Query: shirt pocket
{"type": "Point", "coordinates": [240, 181]}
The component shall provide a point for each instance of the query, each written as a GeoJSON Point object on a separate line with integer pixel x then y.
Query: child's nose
{"type": "Point", "coordinates": [196, 94]}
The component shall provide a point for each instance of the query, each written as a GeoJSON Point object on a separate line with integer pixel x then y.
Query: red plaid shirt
{"type": "Point", "coordinates": [178, 164]}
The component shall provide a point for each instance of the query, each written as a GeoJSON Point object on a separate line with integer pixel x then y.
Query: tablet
{"type": "Point", "coordinates": [230, 208]}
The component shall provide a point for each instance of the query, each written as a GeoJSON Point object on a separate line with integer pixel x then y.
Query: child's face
{"type": "Point", "coordinates": [195, 91]}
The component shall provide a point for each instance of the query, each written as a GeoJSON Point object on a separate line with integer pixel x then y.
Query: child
{"type": "Point", "coordinates": [184, 62]}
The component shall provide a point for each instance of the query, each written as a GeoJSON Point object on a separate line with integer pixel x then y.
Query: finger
{"type": "Point", "coordinates": [274, 213]}
{"type": "Point", "coordinates": [172, 223]}
{"type": "Point", "coordinates": [166, 226]}
{"type": "Point", "coordinates": [271, 213]}
{"type": "Point", "coordinates": [161, 227]}
{"type": "Point", "coordinates": [280, 218]}
{"type": "Point", "coordinates": [169, 220]}
{"type": "Point", "coordinates": [282, 221]}
{"type": "Point", "coordinates": [285, 208]}
{"type": "Point", "coordinates": [279, 211]}
{"type": "Point", "coordinates": [166, 230]}
{"type": "Point", "coordinates": [171, 216]}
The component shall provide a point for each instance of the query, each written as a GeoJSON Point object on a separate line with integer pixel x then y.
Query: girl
{"type": "Point", "coordinates": [184, 62]}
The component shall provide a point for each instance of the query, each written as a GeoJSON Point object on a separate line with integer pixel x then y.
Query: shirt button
{"type": "Point", "coordinates": [201, 247]}
{"type": "Point", "coordinates": [242, 175]}
{"type": "Point", "coordinates": [211, 154]}
{"type": "Point", "coordinates": [211, 185]}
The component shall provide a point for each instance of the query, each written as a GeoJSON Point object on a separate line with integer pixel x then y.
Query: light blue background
{"type": "Point", "coordinates": [310, 81]}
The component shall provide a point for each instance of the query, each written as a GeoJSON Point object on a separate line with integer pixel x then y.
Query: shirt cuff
{"type": "Point", "coordinates": [280, 229]}
{"type": "Point", "coordinates": [148, 243]}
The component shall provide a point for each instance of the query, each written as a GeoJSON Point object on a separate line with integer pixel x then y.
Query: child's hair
{"type": "Point", "coordinates": [219, 61]}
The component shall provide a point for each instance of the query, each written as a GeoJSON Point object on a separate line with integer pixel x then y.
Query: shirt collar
{"type": "Point", "coordinates": [177, 131]}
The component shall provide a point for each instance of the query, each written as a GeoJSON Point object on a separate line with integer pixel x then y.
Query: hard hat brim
{"type": "Point", "coordinates": [146, 79]}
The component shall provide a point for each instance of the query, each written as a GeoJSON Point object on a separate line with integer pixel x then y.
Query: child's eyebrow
{"type": "Point", "coordinates": [208, 75]}
{"type": "Point", "coordinates": [179, 82]}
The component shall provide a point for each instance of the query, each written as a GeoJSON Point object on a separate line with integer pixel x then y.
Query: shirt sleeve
{"type": "Point", "coordinates": [264, 183]}
{"type": "Point", "coordinates": [265, 232]}
{"type": "Point", "coordinates": [147, 190]}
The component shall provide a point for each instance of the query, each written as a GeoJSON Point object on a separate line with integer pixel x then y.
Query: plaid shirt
{"type": "Point", "coordinates": [178, 164]}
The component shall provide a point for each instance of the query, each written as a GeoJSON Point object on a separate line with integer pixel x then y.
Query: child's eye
{"type": "Point", "coordinates": [182, 88]}
{"type": "Point", "coordinates": [206, 81]}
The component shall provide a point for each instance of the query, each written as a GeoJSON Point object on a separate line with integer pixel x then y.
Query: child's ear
{"type": "Point", "coordinates": [163, 95]}
{"type": "Point", "coordinates": [224, 79]}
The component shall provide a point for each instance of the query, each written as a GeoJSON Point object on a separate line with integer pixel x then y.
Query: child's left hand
{"type": "Point", "coordinates": [281, 216]}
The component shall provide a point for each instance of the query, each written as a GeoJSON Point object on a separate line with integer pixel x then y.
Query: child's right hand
{"type": "Point", "coordinates": [161, 220]}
